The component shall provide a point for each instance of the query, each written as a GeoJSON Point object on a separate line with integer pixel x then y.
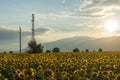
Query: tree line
{"type": "Point", "coordinates": [33, 47]}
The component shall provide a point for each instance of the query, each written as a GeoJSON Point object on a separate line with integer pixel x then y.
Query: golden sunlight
{"type": "Point", "coordinates": [111, 25]}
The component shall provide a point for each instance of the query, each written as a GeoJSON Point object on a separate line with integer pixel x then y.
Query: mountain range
{"type": "Point", "coordinates": [84, 42]}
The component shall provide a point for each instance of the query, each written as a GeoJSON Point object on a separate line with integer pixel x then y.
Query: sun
{"type": "Point", "coordinates": [111, 25]}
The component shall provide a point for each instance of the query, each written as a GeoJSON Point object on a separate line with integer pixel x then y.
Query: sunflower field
{"type": "Point", "coordinates": [60, 66]}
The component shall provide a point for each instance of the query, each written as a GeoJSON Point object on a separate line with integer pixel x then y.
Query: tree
{"type": "Point", "coordinates": [10, 51]}
{"type": "Point", "coordinates": [48, 50]}
{"type": "Point", "coordinates": [76, 50]}
{"type": "Point", "coordinates": [56, 49]}
{"type": "Point", "coordinates": [34, 47]}
{"type": "Point", "coordinates": [87, 50]}
{"type": "Point", "coordinates": [93, 50]}
{"type": "Point", "coordinates": [4, 52]}
{"type": "Point", "coordinates": [100, 50]}
{"type": "Point", "coordinates": [82, 51]}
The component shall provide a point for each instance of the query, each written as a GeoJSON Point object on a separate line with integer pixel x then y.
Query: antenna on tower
{"type": "Point", "coordinates": [33, 30]}
{"type": "Point", "coordinates": [20, 39]}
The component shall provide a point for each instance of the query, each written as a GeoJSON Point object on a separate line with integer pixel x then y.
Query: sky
{"type": "Point", "coordinates": [57, 19]}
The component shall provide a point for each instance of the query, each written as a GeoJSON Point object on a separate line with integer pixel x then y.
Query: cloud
{"type": "Point", "coordinates": [98, 8]}
{"type": "Point", "coordinates": [42, 30]}
{"type": "Point", "coordinates": [54, 16]}
{"type": "Point", "coordinates": [93, 9]}
{"type": "Point", "coordinates": [117, 32]}
{"type": "Point", "coordinates": [9, 38]}
{"type": "Point", "coordinates": [9, 34]}
{"type": "Point", "coordinates": [89, 4]}
{"type": "Point", "coordinates": [110, 2]}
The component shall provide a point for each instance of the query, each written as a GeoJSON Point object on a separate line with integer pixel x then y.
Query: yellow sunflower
{"type": "Point", "coordinates": [117, 77]}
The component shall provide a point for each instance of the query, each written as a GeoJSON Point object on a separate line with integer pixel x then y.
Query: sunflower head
{"type": "Point", "coordinates": [117, 77]}
{"type": "Point", "coordinates": [115, 66]}
{"type": "Point", "coordinates": [0, 75]}
{"type": "Point", "coordinates": [39, 68]}
{"type": "Point", "coordinates": [5, 79]}
{"type": "Point", "coordinates": [110, 73]}
{"type": "Point", "coordinates": [105, 73]}
{"type": "Point", "coordinates": [49, 73]}
{"type": "Point", "coordinates": [94, 74]}
{"type": "Point", "coordinates": [31, 69]}
{"type": "Point", "coordinates": [17, 71]}
{"type": "Point", "coordinates": [21, 75]}
{"type": "Point", "coordinates": [84, 68]}
{"type": "Point", "coordinates": [76, 71]}
{"type": "Point", "coordinates": [64, 77]}
{"type": "Point", "coordinates": [10, 74]}
{"type": "Point", "coordinates": [56, 70]}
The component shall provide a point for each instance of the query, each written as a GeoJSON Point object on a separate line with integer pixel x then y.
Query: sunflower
{"type": "Point", "coordinates": [10, 74]}
{"type": "Point", "coordinates": [102, 67]}
{"type": "Point", "coordinates": [76, 71]}
{"type": "Point", "coordinates": [109, 67]}
{"type": "Point", "coordinates": [107, 78]}
{"type": "Point", "coordinates": [83, 73]}
{"type": "Point", "coordinates": [3, 66]}
{"type": "Point", "coordinates": [5, 79]}
{"type": "Point", "coordinates": [64, 77]}
{"type": "Point", "coordinates": [32, 73]}
{"type": "Point", "coordinates": [95, 70]}
{"type": "Point", "coordinates": [39, 68]}
{"type": "Point", "coordinates": [94, 75]}
{"type": "Point", "coordinates": [110, 73]}
{"type": "Point", "coordinates": [115, 66]}
{"type": "Point", "coordinates": [65, 69]}
{"type": "Point", "coordinates": [83, 68]}
{"type": "Point", "coordinates": [98, 60]}
{"type": "Point", "coordinates": [0, 75]}
{"type": "Point", "coordinates": [79, 78]}
{"type": "Point", "coordinates": [57, 70]}
{"type": "Point", "coordinates": [86, 78]}
{"type": "Point", "coordinates": [17, 71]}
{"type": "Point", "coordinates": [62, 64]}
{"type": "Point", "coordinates": [63, 73]}
{"type": "Point", "coordinates": [105, 73]}
{"type": "Point", "coordinates": [31, 69]}
{"type": "Point", "coordinates": [52, 66]}
{"type": "Point", "coordinates": [68, 66]}
{"type": "Point", "coordinates": [21, 75]}
{"type": "Point", "coordinates": [104, 60]}
{"type": "Point", "coordinates": [85, 61]}
{"type": "Point", "coordinates": [49, 73]}
{"type": "Point", "coordinates": [117, 77]}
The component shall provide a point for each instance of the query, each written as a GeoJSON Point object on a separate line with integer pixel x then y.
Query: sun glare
{"type": "Point", "coordinates": [111, 25]}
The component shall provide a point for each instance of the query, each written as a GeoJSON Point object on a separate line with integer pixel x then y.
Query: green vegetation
{"type": "Point", "coordinates": [86, 50]}
{"type": "Point", "coordinates": [56, 49]}
{"type": "Point", "coordinates": [34, 47]}
{"type": "Point", "coordinates": [60, 66]}
{"type": "Point", "coordinates": [76, 50]}
{"type": "Point", "coordinates": [100, 50]}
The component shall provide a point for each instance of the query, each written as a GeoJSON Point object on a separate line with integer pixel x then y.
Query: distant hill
{"type": "Point", "coordinates": [84, 42]}
{"type": "Point", "coordinates": [2, 50]}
